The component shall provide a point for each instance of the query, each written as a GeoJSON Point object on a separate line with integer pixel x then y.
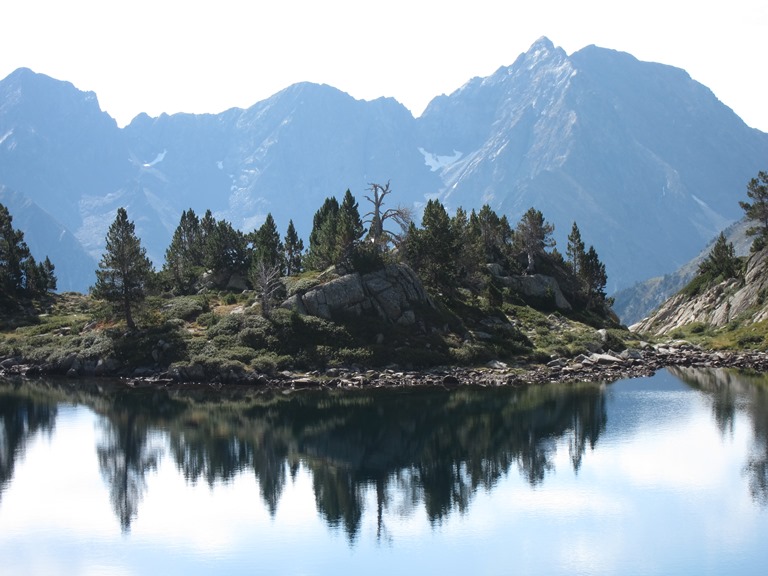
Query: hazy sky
{"type": "Point", "coordinates": [202, 56]}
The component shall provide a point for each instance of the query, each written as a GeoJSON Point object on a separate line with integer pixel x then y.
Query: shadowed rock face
{"type": "Point", "coordinates": [393, 293]}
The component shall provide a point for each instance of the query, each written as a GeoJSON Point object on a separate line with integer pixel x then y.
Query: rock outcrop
{"type": "Point", "coordinates": [394, 293]}
{"type": "Point", "coordinates": [536, 288]}
{"type": "Point", "coordinates": [718, 305]}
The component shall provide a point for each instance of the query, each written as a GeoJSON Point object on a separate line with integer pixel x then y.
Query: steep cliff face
{"type": "Point", "coordinates": [745, 298]}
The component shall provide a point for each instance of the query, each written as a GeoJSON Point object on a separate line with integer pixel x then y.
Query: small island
{"type": "Point", "coordinates": [374, 300]}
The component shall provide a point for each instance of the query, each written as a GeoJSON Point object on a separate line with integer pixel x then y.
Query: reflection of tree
{"type": "Point", "coordinates": [730, 392]}
{"type": "Point", "coordinates": [125, 457]}
{"type": "Point", "coordinates": [407, 447]}
{"type": "Point", "coordinates": [21, 417]}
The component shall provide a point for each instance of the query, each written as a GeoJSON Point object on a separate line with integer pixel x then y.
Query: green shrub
{"type": "Point", "coordinates": [185, 308]}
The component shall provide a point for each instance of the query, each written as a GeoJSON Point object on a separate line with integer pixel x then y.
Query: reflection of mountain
{"type": "Point", "coordinates": [21, 417]}
{"type": "Point", "coordinates": [731, 392]}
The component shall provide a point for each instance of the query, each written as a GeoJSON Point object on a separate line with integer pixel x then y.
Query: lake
{"type": "Point", "coordinates": [661, 475]}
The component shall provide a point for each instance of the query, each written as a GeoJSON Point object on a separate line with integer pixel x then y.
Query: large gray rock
{"type": "Point", "coordinates": [393, 293]}
{"type": "Point", "coordinates": [537, 286]}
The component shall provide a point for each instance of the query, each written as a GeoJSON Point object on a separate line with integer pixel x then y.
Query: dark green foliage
{"type": "Point", "coordinates": [575, 251]}
{"type": "Point", "coordinates": [719, 265]}
{"type": "Point", "coordinates": [184, 256]}
{"type": "Point", "coordinates": [225, 250]}
{"type": "Point", "coordinates": [124, 269]}
{"type": "Point", "coordinates": [721, 262]}
{"type": "Point", "coordinates": [294, 250]}
{"type": "Point", "coordinates": [431, 250]}
{"type": "Point", "coordinates": [350, 225]}
{"type": "Point", "coordinates": [757, 210]}
{"type": "Point", "coordinates": [267, 247]}
{"type": "Point", "coordinates": [534, 234]}
{"type": "Point", "coordinates": [593, 274]}
{"type": "Point", "coordinates": [322, 239]}
{"type": "Point", "coordinates": [20, 274]}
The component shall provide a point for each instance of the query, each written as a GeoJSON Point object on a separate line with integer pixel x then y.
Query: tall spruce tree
{"type": "Point", "coordinates": [322, 239]}
{"type": "Point", "coordinates": [184, 256]}
{"type": "Point", "coordinates": [574, 252]}
{"type": "Point", "coordinates": [294, 250]}
{"type": "Point", "coordinates": [267, 246]}
{"type": "Point", "coordinates": [124, 269]}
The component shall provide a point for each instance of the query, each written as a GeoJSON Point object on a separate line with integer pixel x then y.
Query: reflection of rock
{"type": "Point", "coordinates": [394, 293]}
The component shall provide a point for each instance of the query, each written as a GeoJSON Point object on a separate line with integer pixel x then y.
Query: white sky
{"type": "Point", "coordinates": [203, 56]}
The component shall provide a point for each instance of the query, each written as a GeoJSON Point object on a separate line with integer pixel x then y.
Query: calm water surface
{"type": "Point", "coordinates": [663, 475]}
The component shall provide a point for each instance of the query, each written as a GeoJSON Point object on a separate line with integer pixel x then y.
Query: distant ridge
{"type": "Point", "coordinates": [647, 161]}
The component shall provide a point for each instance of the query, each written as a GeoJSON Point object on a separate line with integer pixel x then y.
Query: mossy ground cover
{"type": "Point", "coordinates": [222, 332]}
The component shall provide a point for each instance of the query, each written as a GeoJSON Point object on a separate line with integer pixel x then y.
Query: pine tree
{"type": "Point", "coordinates": [294, 248]}
{"type": "Point", "coordinates": [534, 235]}
{"type": "Point", "coordinates": [432, 250]}
{"type": "Point", "coordinates": [721, 263]}
{"type": "Point", "coordinates": [593, 274]}
{"type": "Point", "coordinates": [124, 269]}
{"type": "Point", "coordinates": [349, 228]}
{"type": "Point", "coordinates": [267, 246]}
{"type": "Point", "coordinates": [574, 252]}
{"type": "Point", "coordinates": [757, 210]}
{"type": "Point", "coordinates": [184, 256]}
{"type": "Point", "coordinates": [322, 239]}
{"type": "Point", "coordinates": [20, 273]}
{"type": "Point", "coordinates": [13, 253]}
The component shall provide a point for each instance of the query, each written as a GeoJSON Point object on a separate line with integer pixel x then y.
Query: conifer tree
{"type": "Point", "coordinates": [574, 252]}
{"type": "Point", "coordinates": [184, 256]}
{"type": "Point", "coordinates": [432, 249]}
{"type": "Point", "coordinates": [124, 269]}
{"type": "Point", "coordinates": [349, 228]}
{"type": "Point", "coordinates": [294, 249]}
{"type": "Point", "coordinates": [322, 239]}
{"type": "Point", "coordinates": [267, 245]}
{"type": "Point", "coordinates": [593, 274]}
{"type": "Point", "coordinates": [534, 235]}
{"type": "Point", "coordinates": [721, 261]}
{"type": "Point", "coordinates": [757, 210]}
{"type": "Point", "coordinates": [20, 273]}
{"type": "Point", "coordinates": [13, 253]}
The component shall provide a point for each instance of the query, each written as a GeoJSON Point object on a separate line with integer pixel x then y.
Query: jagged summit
{"type": "Point", "coordinates": [646, 160]}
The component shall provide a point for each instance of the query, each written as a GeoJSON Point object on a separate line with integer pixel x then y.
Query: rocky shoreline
{"type": "Point", "coordinates": [596, 367]}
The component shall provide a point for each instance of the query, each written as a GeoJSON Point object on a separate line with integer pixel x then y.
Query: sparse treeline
{"type": "Point", "coordinates": [21, 276]}
{"type": "Point", "coordinates": [450, 253]}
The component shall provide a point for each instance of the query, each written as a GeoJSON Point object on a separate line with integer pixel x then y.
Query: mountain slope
{"type": "Point", "coordinates": [740, 299]}
{"type": "Point", "coordinates": [635, 303]}
{"type": "Point", "coordinates": [647, 161]}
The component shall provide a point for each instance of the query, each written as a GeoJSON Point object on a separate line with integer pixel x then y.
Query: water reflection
{"type": "Point", "coordinates": [732, 392]}
{"type": "Point", "coordinates": [409, 448]}
{"type": "Point", "coordinates": [21, 417]}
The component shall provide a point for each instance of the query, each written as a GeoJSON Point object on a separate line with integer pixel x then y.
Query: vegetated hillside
{"type": "Point", "coordinates": [731, 313]}
{"type": "Point", "coordinates": [635, 303]}
{"type": "Point", "coordinates": [646, 160]}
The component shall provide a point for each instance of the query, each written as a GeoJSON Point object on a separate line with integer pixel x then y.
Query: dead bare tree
{"type": "Point", "coordinates": [376, 218]}
{"type": "Point", "coordinates": [266, 281]}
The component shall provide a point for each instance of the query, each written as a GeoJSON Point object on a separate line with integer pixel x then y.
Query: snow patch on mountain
{"type": "Point", "coordinates": [437, 162]}
{"type": "Point", "coordinates": [159, 158]}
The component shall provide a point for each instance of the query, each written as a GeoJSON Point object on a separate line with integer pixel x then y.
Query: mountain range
{"type": "Point", "coordinates": [648, 162]}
